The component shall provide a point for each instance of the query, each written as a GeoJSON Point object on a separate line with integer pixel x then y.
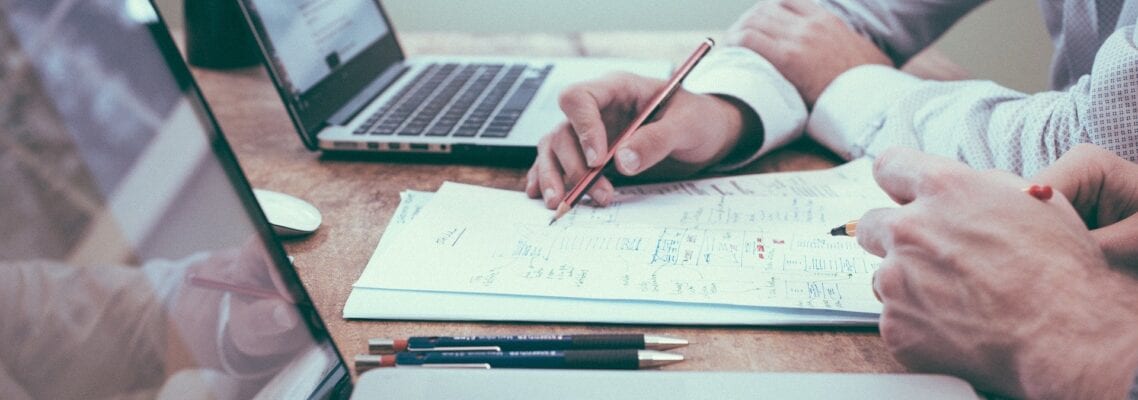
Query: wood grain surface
{"type": "Point", "coordinates": [358, 198]}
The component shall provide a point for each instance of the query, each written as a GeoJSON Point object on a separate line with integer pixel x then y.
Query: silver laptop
{"type": "Point", "coordinates": [135, 261]}
{"type": "Point", "coordinates": [136, 264]}
{"type": "Point", "coordinates": [348, 86]}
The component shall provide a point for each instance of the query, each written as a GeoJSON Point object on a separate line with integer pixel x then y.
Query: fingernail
{"type": "Point", "coordinates": [601, 198]}
{"type": "Point", "coordinates": [629, 160]}
{"type": "Point", "coordinates": [548, 194]}
{"type": "Point", "coordinates": [590, 156]}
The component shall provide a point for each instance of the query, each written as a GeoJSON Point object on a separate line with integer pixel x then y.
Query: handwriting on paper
{"type": "Point", "coordinates": [755, 240]}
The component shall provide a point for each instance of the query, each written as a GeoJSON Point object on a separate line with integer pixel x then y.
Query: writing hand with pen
{"type": "Point", "coordinates": [233, 313]}
{"type": "Point", "coordinates": [688, 133]}
{"type": "Point", "coordinates": [1022, 294]}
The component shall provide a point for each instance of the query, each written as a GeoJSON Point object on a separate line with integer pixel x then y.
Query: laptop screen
{"type": "Point", "coordinates": [136, 262]}
{"type": "Point", "coordinates": [313, 38]}
{"type": "Point", "coordinates": [322, 53]}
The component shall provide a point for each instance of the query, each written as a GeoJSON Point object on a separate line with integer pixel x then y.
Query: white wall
{"type": "Point", "coordinates": [1004, 40]}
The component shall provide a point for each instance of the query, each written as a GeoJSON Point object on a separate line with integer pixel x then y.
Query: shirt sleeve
{"type": "Point", "coordinates": [870, 108]}
{"type": "Point", "coordinates": [744, 75]}
{"type": "Point", "coordinates": [65, 321]}
{"type": "Point", "coordinates": [901, 28]}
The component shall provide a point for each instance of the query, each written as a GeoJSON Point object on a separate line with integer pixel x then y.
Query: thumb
{"type": "Point", "coordinates": [645, 147]}
{"type": "Point", "coordinates": [267, 327]}
{"type": "Point", "coordinates": [1119, 242]}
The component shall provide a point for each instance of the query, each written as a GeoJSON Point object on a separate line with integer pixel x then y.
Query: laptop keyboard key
{"type": "Point", "coordinates": [458, 100]}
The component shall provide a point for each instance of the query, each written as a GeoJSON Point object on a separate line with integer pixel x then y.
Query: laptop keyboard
{"type": "Point", "coordinates": [458, 100]}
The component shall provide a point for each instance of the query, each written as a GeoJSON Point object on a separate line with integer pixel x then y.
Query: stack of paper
{"type": "Point", "coordinates": [736, 250]}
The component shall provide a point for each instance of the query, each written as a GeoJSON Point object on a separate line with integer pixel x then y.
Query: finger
{"type": "Point", "coordinates": [266, 327]}
{"type": "Point", "coordinates": [755, 40]}
{"type": "Point", "coordinates": [583, 105]}
{"type": "Point", "coordinates": [568, 155]}
{"type": "Point", "coordinates": [1119, 242]}
{"type": "Point", "coordinates": [549, 177]}
{"type": "Point", "coordinates": [602, 192]}
{"type": "Point", "coordinates": [574, 170]}
{"type": "Point", "coordinates": [532, 189]}
{"type": "Point", "coordinates": [646, 147]}
{"type": "Point", "coordinates": [1102, 187]}
{"type": "Point", "coordinates": [1078, 175]}
{"type": "Point", "coordinates": [873, 285]}
{"type": "Point", "coordinates": [749, 17]}
{"type": "Point", "coordinates": [873, 233]}
{"type": "Point", "coordinates": [801, 7]}
{"type": "Point", "coordinates": [905, 173]}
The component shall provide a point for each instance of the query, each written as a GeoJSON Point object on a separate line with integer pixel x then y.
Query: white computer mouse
{"type": "Point", "coordinates": [289, 216]}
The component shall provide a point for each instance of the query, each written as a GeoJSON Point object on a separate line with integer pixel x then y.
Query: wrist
{"type": "Point", "coordinates": [1093, 359]}
{"type": "Point", "coordinates": [744, 131]}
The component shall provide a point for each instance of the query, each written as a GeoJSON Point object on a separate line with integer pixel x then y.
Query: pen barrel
{"type": "Point", "coordinates": [571, 359]}
{"type": "Point", "coordinates": [528, 342]}
{"type": "Point", "coordinates": [603, 359]}
{"type": "Point", "coordinates": [608, 341]}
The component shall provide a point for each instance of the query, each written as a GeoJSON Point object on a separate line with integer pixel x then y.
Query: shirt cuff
{"type": "Point", "coordinates": [744, 75]}
{"type": "Point", "coordinates": [852, 109]}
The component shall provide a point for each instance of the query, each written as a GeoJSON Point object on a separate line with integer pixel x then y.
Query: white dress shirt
{"type": "Point", "coordinates": [870, 108]}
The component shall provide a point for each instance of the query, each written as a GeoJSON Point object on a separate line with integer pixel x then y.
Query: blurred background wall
{"type": "Point", "coordinates": [1004, 40]}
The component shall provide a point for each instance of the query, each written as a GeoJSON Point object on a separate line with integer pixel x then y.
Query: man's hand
{"type": "Point", "coordinates": [983, 281]}
{"type": "Point", "coordinates": [1104, 190]}
{"type": "Point", "coordinates": [260, 333]}
{"type": "Point", "coordinates": [692, 132]}
{"type": "Point", "coordinates": [809, 45]}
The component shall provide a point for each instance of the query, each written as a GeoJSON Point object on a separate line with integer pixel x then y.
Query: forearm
{"type": "Point", "coordinates": [1083, 363]}
{"type": "Point", "coordinates": [60, 320]}
{"type": "Point", "coordinates": [868, 109]}
{"type": "Point", "coordinates": [900, 28]}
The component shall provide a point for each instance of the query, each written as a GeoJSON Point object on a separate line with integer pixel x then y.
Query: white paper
{"type": "Point", "coordinates": [756, 240]}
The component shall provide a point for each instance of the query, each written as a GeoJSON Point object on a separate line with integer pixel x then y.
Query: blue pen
{"type": "Point", "coordinates": [568, 359]}
{"type": "Point", "coordinates": [525, 342]}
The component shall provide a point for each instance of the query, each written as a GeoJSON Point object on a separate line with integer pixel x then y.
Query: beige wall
{"type": "Point", "coordinates": [1004, 40]}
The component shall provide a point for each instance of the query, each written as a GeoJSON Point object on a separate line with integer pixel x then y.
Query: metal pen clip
{"type": "Point", "coordinates": [457, 348]}
{"type": "Point", "coordinates": [468, 366]}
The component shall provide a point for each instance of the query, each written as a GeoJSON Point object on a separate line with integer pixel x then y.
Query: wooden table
{"type": "Point", "coordinates": [358, 198]}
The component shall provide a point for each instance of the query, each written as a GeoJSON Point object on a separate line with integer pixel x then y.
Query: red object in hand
{"type": "Point", "coordinates": [1042, 192]}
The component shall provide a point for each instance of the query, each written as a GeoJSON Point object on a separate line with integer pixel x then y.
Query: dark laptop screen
{"type": "Point", "coordinates": [313, 38]}
{"type": "Point", "coordinates": [322, 53]}
{"type": "Point", "coordinates": [135, 262]}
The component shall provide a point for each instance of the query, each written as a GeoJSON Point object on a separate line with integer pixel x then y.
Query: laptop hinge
{"type": "Point", "coordinates": [369, 93]}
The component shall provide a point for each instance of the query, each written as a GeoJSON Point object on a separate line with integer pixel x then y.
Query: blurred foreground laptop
{"type": "Point", "coordinates": [137, 264]}
{"type": "Point", "coordinates": [348, 87]}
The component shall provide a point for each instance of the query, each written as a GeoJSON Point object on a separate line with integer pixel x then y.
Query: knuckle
{"type": "Point", "coordinates": [905, 228]}
{"type": "Point", "coordinates": [543, 143]}
{"type": "Point", "coordinates": [890, 330]}
{"type": "Point", "coordinates": [889, 279]}
{"type": "Point", "coordinates": [1085, 149]}
{"type": "Point", "coordinates": [571, 96]}
{"type": "Point", "coordinates": [742, 37]}
{"type": "Point", "coordinates": [937, 180]}
{"type": "Point", "coordinates": [884, 159]}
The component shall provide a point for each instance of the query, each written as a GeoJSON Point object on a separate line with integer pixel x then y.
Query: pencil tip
{"type": "Point", "coordinates": [839, 231]}
{"type": "Point", "coordinates": [562, 209]}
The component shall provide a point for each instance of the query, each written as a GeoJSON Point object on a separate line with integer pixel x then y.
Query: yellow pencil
{"type": "Point", "coordinates": [847, 229]}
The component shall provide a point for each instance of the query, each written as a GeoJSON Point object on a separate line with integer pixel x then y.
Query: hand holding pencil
{"type": "Point", "coordinates": [654, 107]}
{"type": "Point", "coordinates": [694, 131]}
